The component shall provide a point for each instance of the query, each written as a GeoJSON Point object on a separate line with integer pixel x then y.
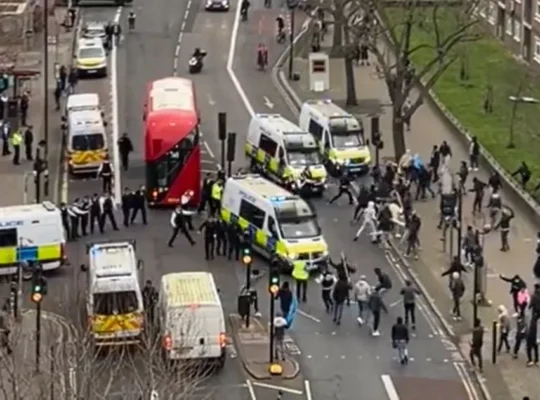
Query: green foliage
{"type": "Point", "coordinates": [488, 63]}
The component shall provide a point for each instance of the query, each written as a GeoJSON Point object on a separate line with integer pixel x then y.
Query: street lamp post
{"type": "Point", "coordinates": [291, 4]}
{"type": "Point", "coordinates": [46, 77]}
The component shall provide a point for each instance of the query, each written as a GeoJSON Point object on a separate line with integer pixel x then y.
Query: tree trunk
{"type": "Point", "coordinates": [337, 39]}
{"type": "Point", "coordinates": [398, 133]}
{"type": "Point", "coordinates": [350, 82]}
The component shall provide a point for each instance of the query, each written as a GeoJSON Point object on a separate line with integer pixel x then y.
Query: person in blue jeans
{"type": "Point", "coordinates": [340, 294]}
{"type": "Point", "coordinates": [400, 340]}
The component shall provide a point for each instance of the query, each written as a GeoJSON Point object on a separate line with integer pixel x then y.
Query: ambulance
{"type": "Point", "coordinates": [114, 300]}
{"type": "Point", "coordinates": [340, 136]}
{"type": "Point", "coordinates": [190, 318]}
{"type": "Point", "coordinates": [282, 151]}
{"type": "Point", "coordinates": [31, 233]}
{"type": "Point", "coordinates": [282, 226]}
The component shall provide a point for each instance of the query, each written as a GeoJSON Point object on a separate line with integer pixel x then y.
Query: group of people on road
{"type": "Point", "coordinates": [86, 215]}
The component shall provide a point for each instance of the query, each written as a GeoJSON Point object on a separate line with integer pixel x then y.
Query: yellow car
{"type": "Point", "coordinates": [91, 58]}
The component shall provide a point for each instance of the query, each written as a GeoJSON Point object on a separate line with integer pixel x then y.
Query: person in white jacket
{"type": "Point", "coordinates": [369, 218]}
{"type": "Point", "coordinates": [361, 292]}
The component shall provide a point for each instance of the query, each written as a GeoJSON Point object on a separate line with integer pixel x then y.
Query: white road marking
{"type": "Point", "coordinates": [211, 100]}
{"type": "Point", "coordinates": [115, 125]}
{"type": "Point", "coordinates": [465, 378]}
{"type": "Point", "coordinates": [209, 150]}
{"type": "Point", "coordinates": [268, 103]}
{"type": "Point", "coordinates": [389, 387]}
{"type": "Point", "coordinates": [395, 303]}
{"type": "Point", "coordinates": [230, 62]}
{"type": "Point", "coordinates": [251, 390]}
{"type": "Point", "coordinates": [275, 387]}
{"type": "Point", "coordinates": [307, 389]}
{"type": "Point", "coordinates": [180, 37]}
{"type": "Point", "coordinates": [311, 317]}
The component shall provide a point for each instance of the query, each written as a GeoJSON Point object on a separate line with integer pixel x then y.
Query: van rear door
{"type": "Point", "coordinates": [198, 332]}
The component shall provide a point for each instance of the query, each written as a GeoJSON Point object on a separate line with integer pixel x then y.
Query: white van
{"type": "Point", "coordinates": [340, 136]}
{"type": "Point", "coordinates": [190, 318]}
{"type": "Point", "coordinates": [282, 151]}
{"type": "Point", "coordinates": [282, 225]}
{"type": "Point", "coordinates": [31, 233]}
{"type": "Point", "coordinates": [82, 101]}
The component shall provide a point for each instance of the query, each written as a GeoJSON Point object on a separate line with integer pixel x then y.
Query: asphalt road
{"type": "Point", "coordinates": [342, 361]}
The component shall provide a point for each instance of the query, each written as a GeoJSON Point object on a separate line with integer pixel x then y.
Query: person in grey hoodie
{"type": "Point", "coordinates": [361, 292]}
{"type": "Point", "coordinates": [504, 325]}
{"type": "Point", "coordinates": [409, 293]}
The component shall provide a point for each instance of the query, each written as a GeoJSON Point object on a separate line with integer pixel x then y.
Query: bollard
{"type": "Point", "coordinates": [494, 340]}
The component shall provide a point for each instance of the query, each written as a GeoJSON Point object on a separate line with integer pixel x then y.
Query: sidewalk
{"type": "Point", "coordinates": [253, 346]}
{"type": "Point", "coordinates": [427, 130]}
{"type": "Point", "coordinates": [12, 176]}
{"type": "Point", "coordinates": [18, 376]}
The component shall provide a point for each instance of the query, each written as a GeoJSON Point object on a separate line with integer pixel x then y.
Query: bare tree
{"type": "Point", "coordinates": [11, 40]}
{"type": "Point", "coordinates": [446, 27]}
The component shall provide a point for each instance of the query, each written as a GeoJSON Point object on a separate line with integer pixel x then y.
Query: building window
{"type": "Point", "coordinates": [536, 54]}
{"type": "Point", "coordinates": [492, 13]}
{"type": "Point", "coordinates": [537, 11]}
{"type": "Point", "coordinates": [509, 26]}
{"type": "Point", "coordinates": [517, 30]}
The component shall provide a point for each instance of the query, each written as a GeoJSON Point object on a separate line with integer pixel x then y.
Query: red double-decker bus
{"type": "Point", "coordinates": [172, 142]}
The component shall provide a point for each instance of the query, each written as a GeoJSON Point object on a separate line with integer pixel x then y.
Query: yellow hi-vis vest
{"type": "Point", "coordinates": [217, 191]}
{"type": "Point", "coordinates": [16, 139]}
{"type": "Point", "coordinates": [299, 271]}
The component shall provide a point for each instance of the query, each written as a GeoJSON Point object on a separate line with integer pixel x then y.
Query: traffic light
{"type": "Point", "coordinates": [273, 285]}
{"type": "Point", "coordinates": [39, 288]}
{"type": "Point", "coordinates": [246, 255]}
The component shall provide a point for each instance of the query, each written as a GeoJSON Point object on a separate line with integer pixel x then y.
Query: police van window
{"type": "Point", "coordinates": [94, 141]}
{"type": "Point", "coordinates": [268, 145]}
{"type": "Point", "coordinates": [114, 303]}
{"type": "Point", "coordinates": [315, 129]}
{"type": "Point", "coordinates": [252, 213]}
{"type": "Point", "coordinates": [327, 141]}
{"type": "Point", "coordinates": [8, 237]}
{"type": "Point", "coordinates": [272, 227]}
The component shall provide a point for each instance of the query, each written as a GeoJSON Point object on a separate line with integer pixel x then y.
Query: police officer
{"type": "Point", "coordinates": [234, 237]}
{"type": "Point", "coordinates": [150, 298]}
{"type": "Point", "coordinates": [206, 193]}
{"type": "Point", "coordinates": [28, 140]}
{"type": "Point", "coordinates": [127, 205]}
{"type": "Point", "coordinates": [16, 140]}
{"type": "Point", "coordinates": [105, 173]}
{"type": "Point", "coordinates": [217, 192]}
{"type": "Point", "coordinates": [81, 213]}
{"type": "Point", "coordinates": [301, 276]}
{"type": "Point", "coordinates": [210, 227]}
{"type": "Point", "coordinates": [125, 147]}
{"type": "Point", "coordinates": [221, 238]}
{"type": "Point", "coordinates": [73, 221]}
{"type": "Point", "coordinates": [494, 205]}
{"type": "Point", "coordinates": [178, 223]}
{"type": "Point", "coordinates": [95, 212]}
{"type": "Point", "coordinates": [85, 208]}
{"type": "Point", "coordinates": [108, 207]}
{"type": "Point", "coordinates": [344, 188]}
{"type": "Point", "coordinates": [139, 204]}
{"type": "Point", "coordinates": [65, 220]}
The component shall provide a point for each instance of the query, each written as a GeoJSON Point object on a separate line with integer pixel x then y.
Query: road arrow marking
{"type": "Point", "coordinates": [268, 103]}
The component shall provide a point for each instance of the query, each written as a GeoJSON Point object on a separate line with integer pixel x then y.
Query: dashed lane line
{"type": "Point", "coordinates": [180, 37]}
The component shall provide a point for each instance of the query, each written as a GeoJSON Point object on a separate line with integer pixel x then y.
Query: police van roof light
{"type": "Point", "coordinates": [277, 199]}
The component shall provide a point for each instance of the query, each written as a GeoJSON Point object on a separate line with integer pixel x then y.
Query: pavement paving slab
{"type": "Point", "coordinates": [253, 345]}
{"type": "Point", "coordinates": [509, 378]}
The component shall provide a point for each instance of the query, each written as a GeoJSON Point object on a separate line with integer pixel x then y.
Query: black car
{"type": "Point", "coordinates": [217, 5]}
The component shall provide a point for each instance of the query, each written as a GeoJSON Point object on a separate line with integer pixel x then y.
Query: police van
{"type": "Point", "coordinates": [86, 140]}
{"type": "Point", "coordinates": [190, 318]}
{"type": "Point", "coordinates": [282, 151]}
{"type": "Point", "coordinates": [339, 134]}
{"type": "Point", "coordinates": [31, 233]}
{"type": "Point", "coordinates": [114, 302]}
{"type": "Point", "coordinates": [282, 226]}
{"type": "Point", "coordinates": [82, 101]}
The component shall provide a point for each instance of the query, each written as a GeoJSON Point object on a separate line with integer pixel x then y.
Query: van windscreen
{"type": "Point", "coordinates": [93, 141]}
{"type": "Point", "coordinates": [115, 303]}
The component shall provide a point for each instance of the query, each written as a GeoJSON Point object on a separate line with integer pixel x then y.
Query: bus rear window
{"type": "Point", "coordinates": [94, 141]}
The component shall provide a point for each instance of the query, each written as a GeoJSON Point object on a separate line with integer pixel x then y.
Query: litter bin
{"type": "Point", "coordinates": [12, 108]}
{"type": "Point", "coordinates": [243, 304]}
